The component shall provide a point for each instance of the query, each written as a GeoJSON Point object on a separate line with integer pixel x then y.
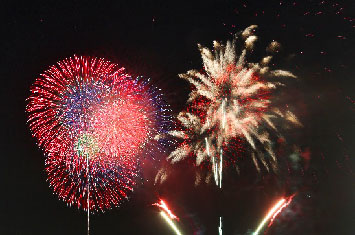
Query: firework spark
{"type": "Point", "coordinates": [162, 205]}
{"type": "Point", "coordinates": [273, 212]}
{"type": "Point", "coordinates": [168, 215]}
{"type": "Point", "coordinates": [170, 222]}
{"type": "Point", "coordinates": [220, 230]}
{"type": "Point", "coordinates": [232, 100]}
{"type": "Point", "coordinates": [93, 121]}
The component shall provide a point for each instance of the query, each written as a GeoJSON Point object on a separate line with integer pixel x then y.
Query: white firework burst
{"type": "Point", "coordinates": [239, 105]}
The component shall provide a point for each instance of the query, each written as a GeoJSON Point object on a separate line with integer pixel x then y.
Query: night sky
{"type": "Point", "coordinates": [159, 40]}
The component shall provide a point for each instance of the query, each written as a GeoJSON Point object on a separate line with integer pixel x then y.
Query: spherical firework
{"type": "Point", "coordinates": [92, 121]}
{"type": "Point", "coordinates": [232, 101]}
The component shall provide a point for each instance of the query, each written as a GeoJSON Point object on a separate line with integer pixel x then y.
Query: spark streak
{"type": "Point", "coordinates": [162, 204]}
{"type": "Point", "coordinates": [220, 169]}
{"type": "Point", "coordinates": [217, 169]}
{"type": "Point", "coordinates": [220, 226]}
{"type": "Point", "coordinates": [274, 211]}
{"type": "Point", "coordinates": [170, 222]}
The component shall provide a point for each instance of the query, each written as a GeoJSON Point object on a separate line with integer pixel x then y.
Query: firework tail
{"type": "Point", "coordinates": [168, 215]}
{"type": "Point", "coordinates": [273, 212]}
{"type": "Point", "coordinates": [162, 205]}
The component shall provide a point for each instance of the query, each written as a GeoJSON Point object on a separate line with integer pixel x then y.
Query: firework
{"type": "Point", "coordinates": [232, 100]}
{"type": "Point", "coordinates": [168, 215]}
{"type": "Point", "coordinates": [162, 205]}
{"type": "Point", "coordinates": [93, 122]}
{"type": "Point", "coordinates": [273, 212]}
{"type": "Point", "coordinates": [220, 230]}
{"type": "Point", "coordinates": [170, 222]}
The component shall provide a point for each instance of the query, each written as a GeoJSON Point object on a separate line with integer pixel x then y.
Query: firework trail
{"type": "Point", "coordinates": [220, 230]}
{"type": "Point", "coordinates": [170, 222]}
{"type": "Point", "coordinates": [94, 122]}
{"type": "Point", "coordinates": [273, 212]}
{"type": "Point", "coordinates": [168, 215]}
{"type": "Point", "coordinates": [232, 100]}
{"type": "Point", "coordinates": [162, 205]}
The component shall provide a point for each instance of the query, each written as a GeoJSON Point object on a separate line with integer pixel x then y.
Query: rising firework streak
{"type": "Point", "coordinates": [220, 231]}
{"type": "Point", "coordinates": [170, 222]}
{"type": "Point", "coordinates": [168, 215]}
{"type": "Point", "coordinates": [162, 205]}
{"type": "Point", "coordinates": [274, 211]}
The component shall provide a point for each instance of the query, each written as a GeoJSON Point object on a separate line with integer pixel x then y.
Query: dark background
{"type": "Point", "coordinates": [159, 40]}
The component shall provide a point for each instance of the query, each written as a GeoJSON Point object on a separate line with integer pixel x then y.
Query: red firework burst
{"type": "Point", "coordinates": [92, 121]}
